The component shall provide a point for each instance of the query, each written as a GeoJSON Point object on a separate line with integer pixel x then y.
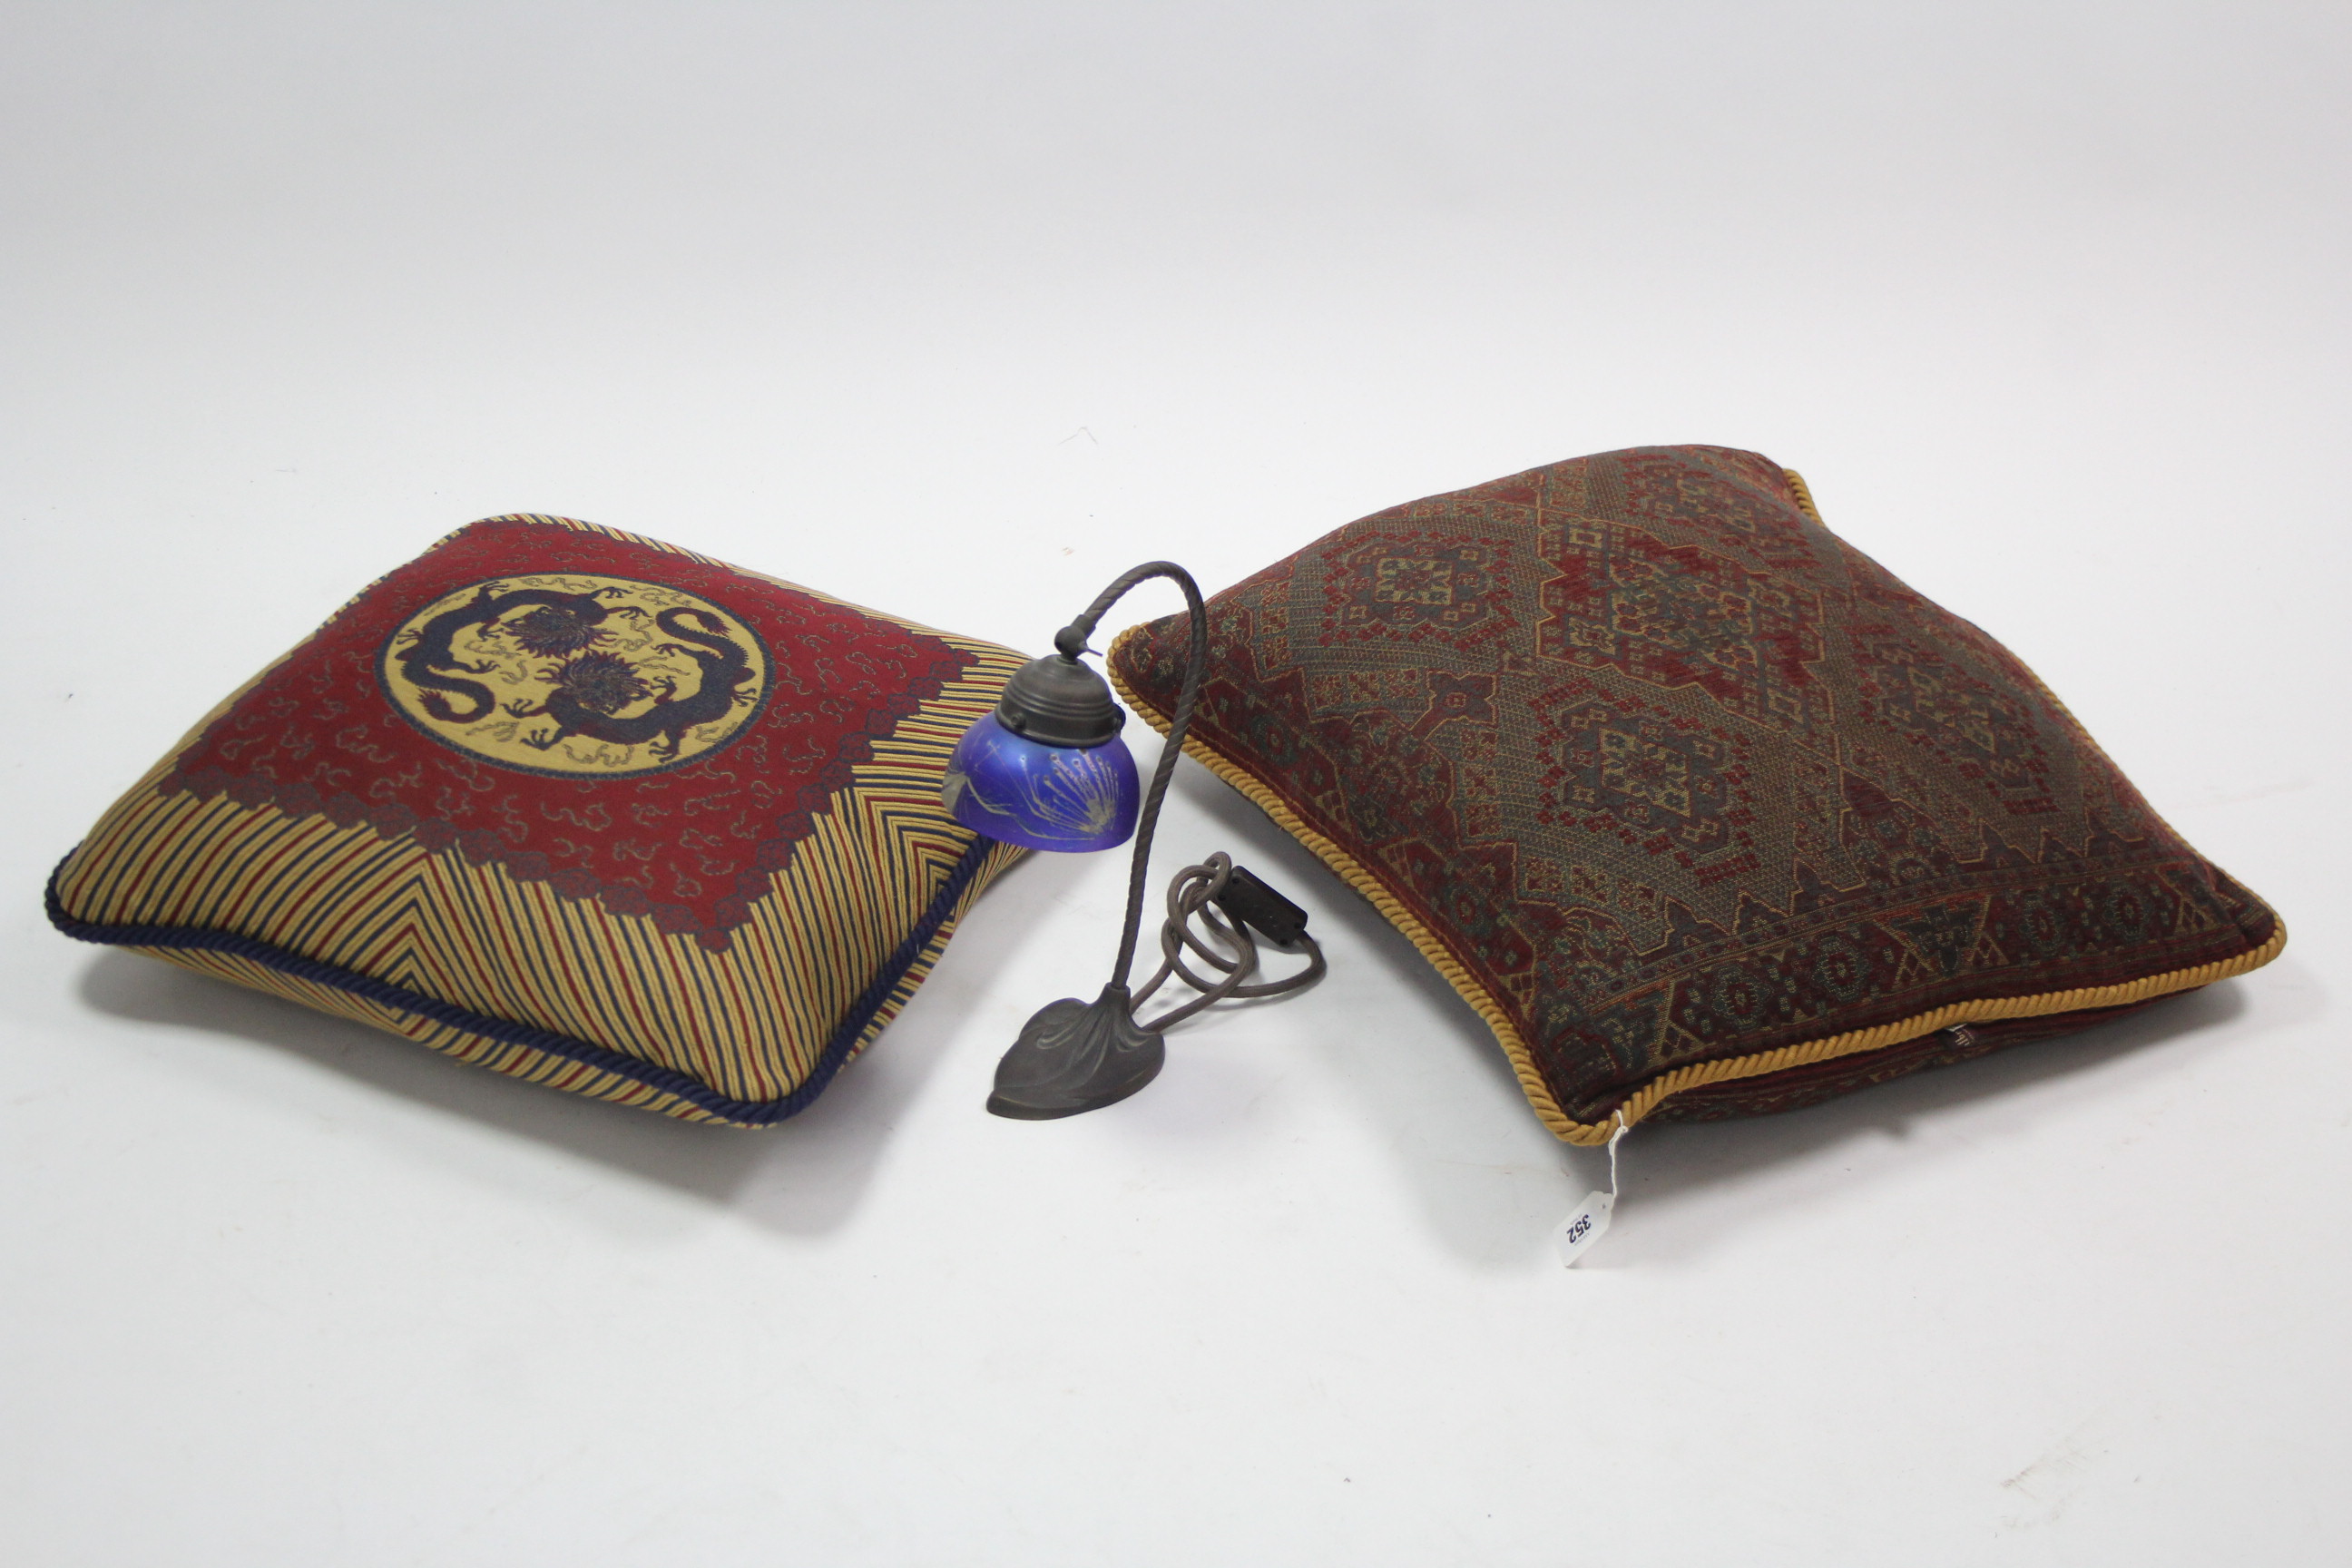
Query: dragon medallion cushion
{"type": "Point", "coordinates": [576, 805]}
{"type": "Point", "coordinates": [1703, 810]}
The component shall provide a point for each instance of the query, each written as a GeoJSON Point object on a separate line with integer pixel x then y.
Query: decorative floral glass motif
{"type": "Point", "coordinates": [1067, 798]}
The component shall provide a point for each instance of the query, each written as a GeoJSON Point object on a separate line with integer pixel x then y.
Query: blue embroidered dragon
{"type": "Point", "coordinates": [588, 687]}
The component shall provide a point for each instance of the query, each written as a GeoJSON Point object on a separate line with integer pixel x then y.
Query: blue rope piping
{"type": "Point", "coordinates": [745, 1112]}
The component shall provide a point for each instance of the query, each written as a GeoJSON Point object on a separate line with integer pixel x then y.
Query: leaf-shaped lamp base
{"type": "Point", "coordinates": [1075, 1057]}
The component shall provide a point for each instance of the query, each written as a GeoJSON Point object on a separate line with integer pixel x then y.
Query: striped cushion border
{"type": "Point", "coordinates": [838, 1048]}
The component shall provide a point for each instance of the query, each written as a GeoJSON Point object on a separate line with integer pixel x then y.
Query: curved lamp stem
{"type": "Point", "coordinates": [1071, 641]}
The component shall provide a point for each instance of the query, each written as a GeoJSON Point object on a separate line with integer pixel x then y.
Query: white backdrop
{"type": "Point", "coordinates": [957, 309]}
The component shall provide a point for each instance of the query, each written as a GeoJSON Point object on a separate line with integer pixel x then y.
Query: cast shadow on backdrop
{"type": "Point", "coordinates": [806, 1177]}
{"type": "Point", "coordinates": [1493, 1210]}
{"type": "Point", "coordinates": [1491, 1214]}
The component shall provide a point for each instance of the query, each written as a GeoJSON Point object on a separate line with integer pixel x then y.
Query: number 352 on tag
{"type": "Point", "coordinates": [1586, 1224]}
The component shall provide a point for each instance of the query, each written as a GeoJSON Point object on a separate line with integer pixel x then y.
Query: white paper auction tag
{"type": "Point", "coordinates": [1587, 1225]}
{"type": "Point", "coordinates": [1589, 1221]}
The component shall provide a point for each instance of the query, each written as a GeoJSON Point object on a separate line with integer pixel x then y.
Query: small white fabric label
{"type": "Point", "coordinates": [1587, 1225]}
{"type": "Point", "coordinates": [1590, 1221]}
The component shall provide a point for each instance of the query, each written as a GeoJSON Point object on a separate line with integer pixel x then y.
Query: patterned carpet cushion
{"type": "Point", "coordinates": [1701, 809]}
{"type": "Point", "coordinates": [576, 805]}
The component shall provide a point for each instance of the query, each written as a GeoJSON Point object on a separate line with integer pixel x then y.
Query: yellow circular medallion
{"type": "Point", "coordinates": [577, 676]}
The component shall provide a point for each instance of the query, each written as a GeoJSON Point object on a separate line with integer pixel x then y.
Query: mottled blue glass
{"type": "Point", "coordinates": [1041, 797]}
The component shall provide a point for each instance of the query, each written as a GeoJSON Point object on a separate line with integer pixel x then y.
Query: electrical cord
{"type": "Point", "coordinates": [1228, 902]}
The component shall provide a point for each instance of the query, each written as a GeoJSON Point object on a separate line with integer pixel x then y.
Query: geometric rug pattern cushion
{"type": "Point", "coordinates": [578, 806]}
{"type": "Point", "coordinates": [1702, 809]}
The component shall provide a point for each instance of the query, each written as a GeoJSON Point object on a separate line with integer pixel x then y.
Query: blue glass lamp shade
{"type": "Point", "coordinates": [1040, 796]}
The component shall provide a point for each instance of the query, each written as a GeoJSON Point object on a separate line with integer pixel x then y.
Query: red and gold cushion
{"type": "Point", "coordinates": [576, 805]}
{"type": "Point", "coordinates": [1702, 810]}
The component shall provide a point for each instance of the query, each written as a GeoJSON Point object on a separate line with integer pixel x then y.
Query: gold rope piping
{"type": "Point", "coordinates": [1804, 494]}
{"type": "Point", "coordinates": [1648, 1098]}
